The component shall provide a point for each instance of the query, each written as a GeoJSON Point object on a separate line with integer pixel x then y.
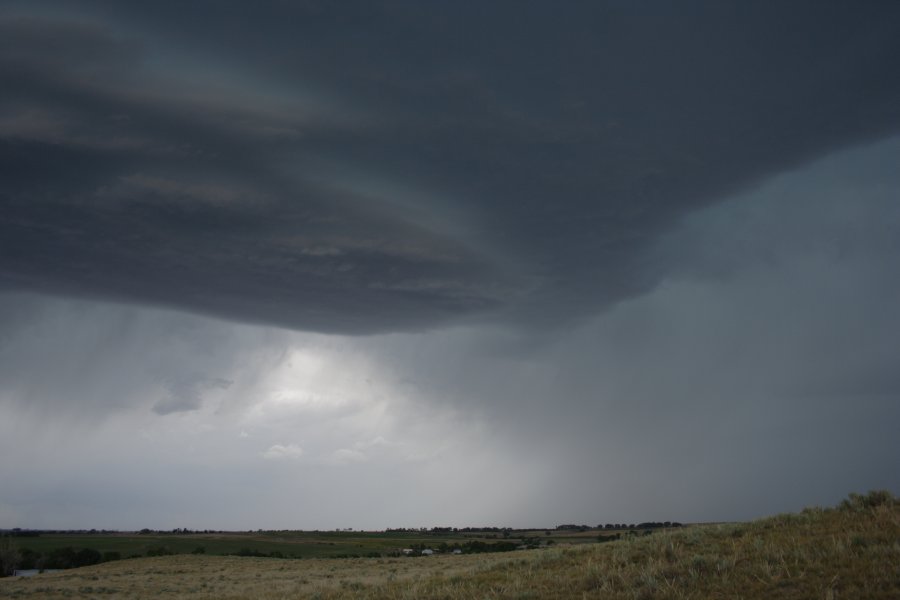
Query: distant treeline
{"type": "Point", "coordinates": [614, 526]}
{"type": "Point", "coordinates": [14, 558]}
{"type": "Point", "coordinates": [186, 531]}
{"type": "Point", "coordinates": [506, 531]}
{"type": "Point", "coordinates": [509, 530]}
{"type": "Point", "coordinates": [58, 558]}
{"type": "Point", "coordinates": [19, 532]}
{"type": "Point", "coordinates": [446, 530]}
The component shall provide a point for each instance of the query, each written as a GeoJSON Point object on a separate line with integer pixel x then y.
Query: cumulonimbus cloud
{"type": "Point", "coordinates": [525, 179]}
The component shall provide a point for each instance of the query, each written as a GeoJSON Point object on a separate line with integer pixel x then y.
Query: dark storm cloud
{"type": "Point", "coordinates": [362, 167]}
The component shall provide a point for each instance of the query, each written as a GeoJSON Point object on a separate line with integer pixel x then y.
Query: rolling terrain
{"type": "Point", "coordinates": [852, 551]}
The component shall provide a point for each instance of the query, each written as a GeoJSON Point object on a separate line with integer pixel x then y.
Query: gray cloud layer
{"type": "Point", "coordinates": [373, 167]}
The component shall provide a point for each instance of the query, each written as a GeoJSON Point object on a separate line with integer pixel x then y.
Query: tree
{"type": "Point", "coordinates": [86, 557]}
{"type": "Point", "coordinates": [9, 556]}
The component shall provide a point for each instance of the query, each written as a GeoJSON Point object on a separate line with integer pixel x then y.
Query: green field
{"type": "Point", "coordinates": [289, 544]}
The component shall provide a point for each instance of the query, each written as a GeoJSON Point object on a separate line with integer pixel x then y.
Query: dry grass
{"type": "Point", "coordinates": [852, 552]}
{"type": "Point", "coordinates": [201, 577]}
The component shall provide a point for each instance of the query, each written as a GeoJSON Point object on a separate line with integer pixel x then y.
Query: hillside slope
{"type": "Point", "coordinates": [852, 551]}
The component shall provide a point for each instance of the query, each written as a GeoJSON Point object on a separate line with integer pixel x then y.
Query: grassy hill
{"type": "Point", "coordinates": [852, 551]}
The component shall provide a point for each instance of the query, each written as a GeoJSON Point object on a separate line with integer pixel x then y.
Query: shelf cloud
{"type": "Point", "coordinates": [382, 167]}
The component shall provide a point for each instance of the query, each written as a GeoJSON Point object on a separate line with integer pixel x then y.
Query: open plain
{"type": "Point", "coordinates": [852, 551]}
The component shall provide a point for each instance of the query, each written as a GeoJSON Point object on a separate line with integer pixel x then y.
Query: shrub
{"type": "Point", "coordinates": [58, 558]}
{"type": "Point", "coordinates": [9, 556]}
{"type": "Point", "coordinates": [158, 551]}
{"type": "Point", "coordinates": [874, 499]}
{"type": "Point", "coordinates": [86, 557]}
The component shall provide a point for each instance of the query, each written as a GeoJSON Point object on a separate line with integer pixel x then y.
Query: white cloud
{"type": "Point", "coordinates": [281, 452]}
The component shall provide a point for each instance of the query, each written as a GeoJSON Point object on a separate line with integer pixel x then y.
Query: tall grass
{"type": "Point", "coordinates": [852, 551]}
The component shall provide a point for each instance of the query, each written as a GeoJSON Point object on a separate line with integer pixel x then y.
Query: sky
{"type": "Point", "coordinates": [316, 265]}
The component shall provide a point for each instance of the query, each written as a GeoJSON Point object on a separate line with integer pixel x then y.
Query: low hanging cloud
{"type": "Point", "coordinates": [519, 181]}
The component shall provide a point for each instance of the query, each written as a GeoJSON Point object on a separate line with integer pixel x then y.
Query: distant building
{"type": "Point", "coordinates": [427, 552]}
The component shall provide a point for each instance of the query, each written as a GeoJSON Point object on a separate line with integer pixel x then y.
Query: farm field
{"type": "Point", "coordinates": [289, 544]}
{"type": "Point", "coordinates": [849, 552]}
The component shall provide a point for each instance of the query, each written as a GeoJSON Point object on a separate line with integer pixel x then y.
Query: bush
{"type": "Point", "coordinates": [28, 558]}
{"type": "Point", "coordinates": [874, 499]}
{"type": "Point", "coordinates": [58, 558]}
{"type": "Point", "coordinates": [9, 556]}
{"type": "Point", "coordinates": [86, 557]}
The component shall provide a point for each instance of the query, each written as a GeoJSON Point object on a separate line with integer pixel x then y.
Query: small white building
{"type": "Point", "coordinates": [427, 552]}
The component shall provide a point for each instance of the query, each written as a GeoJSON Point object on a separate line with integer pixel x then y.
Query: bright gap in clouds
{"type": "Point", "coordinates": [312, 432]}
